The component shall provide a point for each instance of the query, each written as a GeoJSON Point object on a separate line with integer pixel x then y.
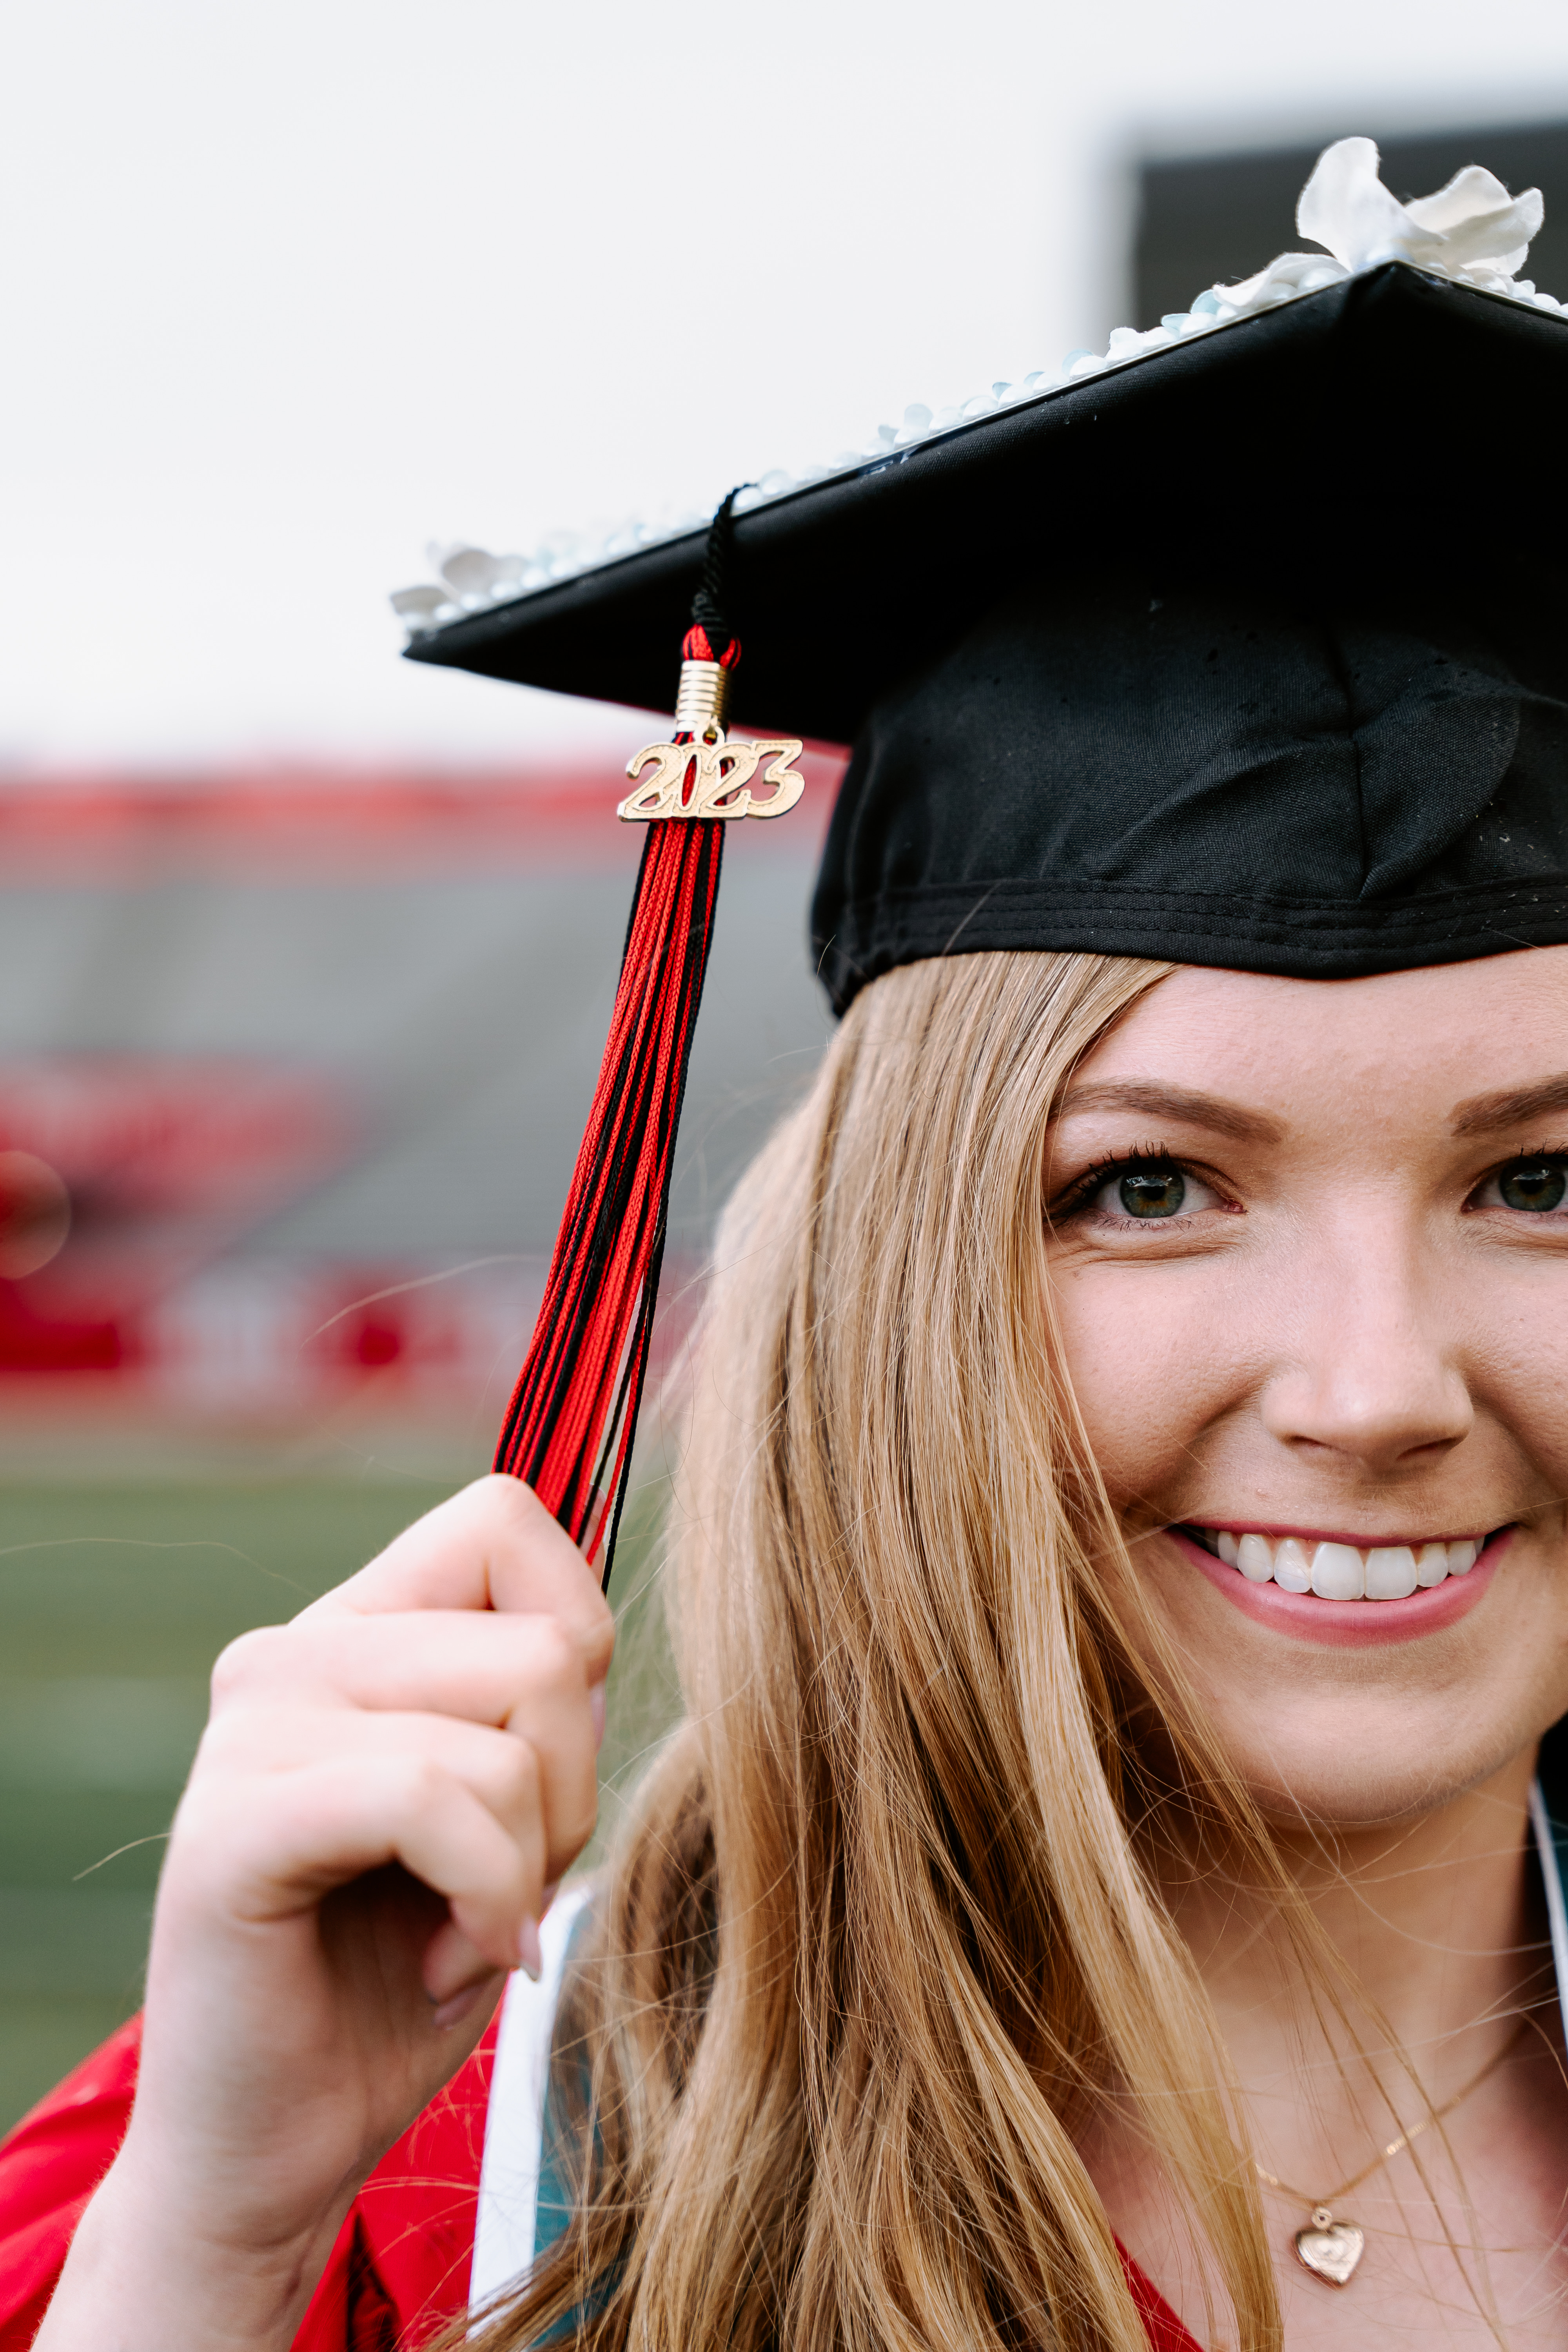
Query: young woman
{"type": "Point", "coordinates": [1024, 1867]}
{"type": "Point", "coordinates": [1103, 1890]}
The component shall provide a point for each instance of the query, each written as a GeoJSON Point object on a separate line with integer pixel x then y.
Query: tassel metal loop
{"type": "Point", "coordinates": [702, 698]}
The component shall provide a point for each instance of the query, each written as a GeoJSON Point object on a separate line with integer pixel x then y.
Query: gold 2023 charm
{"type": "Point", "coordinates": [711, 777]}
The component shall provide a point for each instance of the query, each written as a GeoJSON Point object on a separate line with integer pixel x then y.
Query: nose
{"type": "Point", "coordinates": [1372, 1368]}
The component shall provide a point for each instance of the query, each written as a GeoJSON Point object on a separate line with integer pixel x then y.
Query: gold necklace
{"type": "Point", "coordinates": [1330, 2249]}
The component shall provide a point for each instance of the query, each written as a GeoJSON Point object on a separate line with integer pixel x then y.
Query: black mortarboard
{"type": "Point", "coordinates": [1253, 653]}
{"type": "Point", "coordinates": [1247, 649]}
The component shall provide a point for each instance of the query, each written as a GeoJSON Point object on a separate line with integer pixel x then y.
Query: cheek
{"type": "Point", "coordinates": [1153, 1359]}
{"type": "Point", "coordinates": [1518, 1363]}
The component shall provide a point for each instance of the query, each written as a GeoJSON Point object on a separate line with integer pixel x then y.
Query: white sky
{"type": "Point", "coordinates": [290, 287]}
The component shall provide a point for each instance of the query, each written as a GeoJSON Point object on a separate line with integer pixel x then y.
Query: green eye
{"type": "Point", "coordinates": [1160, 1192]}
{"type": "Point", "coordinates": [1537, 1185]}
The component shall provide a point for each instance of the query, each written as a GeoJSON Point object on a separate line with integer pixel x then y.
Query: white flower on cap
{"type": "Point", "coordinates": [1472, 230]}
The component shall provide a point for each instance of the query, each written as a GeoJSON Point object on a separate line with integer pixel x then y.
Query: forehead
{"type": "Point", "coordinates": [1407, 1043]}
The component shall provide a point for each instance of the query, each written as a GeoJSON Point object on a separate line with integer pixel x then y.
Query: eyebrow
{"type": "Point", "coordinates": [1510, 1106]}
{"type": "Point", "coordinates": [1158, 1101]}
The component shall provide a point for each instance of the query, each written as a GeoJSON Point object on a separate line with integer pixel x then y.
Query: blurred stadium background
{"type": "Point", "coordinates": [292, 1071]}
{"type": "Point", "coordinates": [305, 956]}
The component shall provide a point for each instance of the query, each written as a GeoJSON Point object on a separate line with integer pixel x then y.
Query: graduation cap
{"type": "Point", "coordinates": [1244, 643]}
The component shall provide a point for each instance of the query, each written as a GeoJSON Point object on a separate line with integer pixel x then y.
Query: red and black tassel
{"type": "Point", "coordinates": [572, 1417]}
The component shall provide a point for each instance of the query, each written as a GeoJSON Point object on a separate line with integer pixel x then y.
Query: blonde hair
{"type": "Point", "coordinates": [879, 1932]}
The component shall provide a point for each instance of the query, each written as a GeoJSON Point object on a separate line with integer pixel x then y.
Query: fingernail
{"type": "Point", "coordinates": [530, 1958]}
{"type": "Point", "coordinates": [452, 2012]}
{"type": "Point", "coordinates": [596, 1709]}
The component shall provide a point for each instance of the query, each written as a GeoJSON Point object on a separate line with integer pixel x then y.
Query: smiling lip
{"type": "Point", "coordinates": [1347, 1624]}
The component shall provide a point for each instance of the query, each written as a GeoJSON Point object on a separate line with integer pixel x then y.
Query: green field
{"type": "Point", "coordinates": [114, 1601]}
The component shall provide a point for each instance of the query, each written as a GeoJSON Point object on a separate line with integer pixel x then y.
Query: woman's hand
{"type": "Point", "coordinates": [388, 1791]}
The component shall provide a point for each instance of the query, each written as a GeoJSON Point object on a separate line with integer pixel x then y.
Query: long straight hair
{"type": "Point", "coordinates": [880, 1929]}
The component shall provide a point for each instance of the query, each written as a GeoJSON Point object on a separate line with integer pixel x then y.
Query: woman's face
{"type": "Point", "coordinates": [1309, 1253]}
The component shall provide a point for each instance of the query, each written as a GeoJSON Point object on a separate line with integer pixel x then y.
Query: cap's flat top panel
{"type": "Point", "coordinates": [1391, 389]}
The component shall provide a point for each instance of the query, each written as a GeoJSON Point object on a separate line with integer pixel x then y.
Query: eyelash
{"type": "Point", "coordinates": [1535, 1152]}
{"type": "Point", "coordinates": [1083, 1190]}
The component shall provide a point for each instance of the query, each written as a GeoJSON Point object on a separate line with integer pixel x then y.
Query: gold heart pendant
{"type": "Point", "coordinates": [1330, 2250]}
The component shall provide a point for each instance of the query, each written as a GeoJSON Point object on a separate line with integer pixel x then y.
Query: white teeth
{"type": "Point", "coordinates": [1390, 1572]}
{"type": "Point", "coordinates": [1339, 1572]}
{"type": "Point", "coordinates": [1254, 1557]}
{"type": "Point", "coordinates": [1292, 1569]}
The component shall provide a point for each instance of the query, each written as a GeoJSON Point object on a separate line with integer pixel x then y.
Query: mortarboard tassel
{"type": "Point", "coordinates": [569, 1428]}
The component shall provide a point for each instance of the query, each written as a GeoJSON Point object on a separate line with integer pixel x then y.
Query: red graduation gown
{"type": "Point", "coordinates": [400, 2266]}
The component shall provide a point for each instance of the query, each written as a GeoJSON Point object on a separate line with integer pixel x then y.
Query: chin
{"type": "Point", "coordinates": [1337, 1777]}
